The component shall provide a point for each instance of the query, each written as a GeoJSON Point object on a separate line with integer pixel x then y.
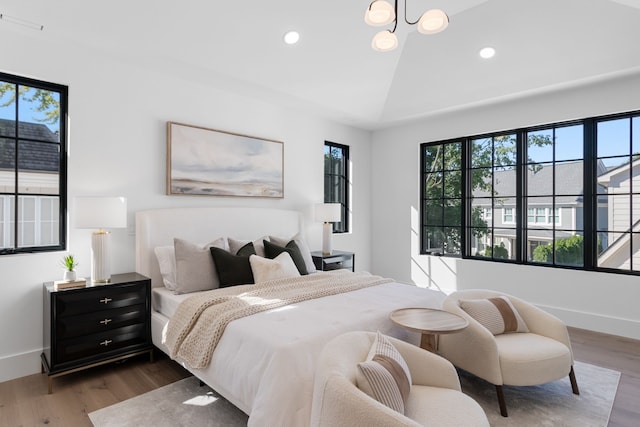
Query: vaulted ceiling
{"type": "Point", "coordinates": [540, 45]}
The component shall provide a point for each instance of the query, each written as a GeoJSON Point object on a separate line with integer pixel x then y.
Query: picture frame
{"type": "Point", "coordinates": [203, 161]}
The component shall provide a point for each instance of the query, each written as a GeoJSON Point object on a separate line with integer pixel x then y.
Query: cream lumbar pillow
{"type": "Point", "coordinates": [497, 314]}
{"type": "Point", "coordinates": [280, 267]}
{"type": "Point", "coordinates": [385, 375]}
{"type": "Point", "coordinates": [302, 245]}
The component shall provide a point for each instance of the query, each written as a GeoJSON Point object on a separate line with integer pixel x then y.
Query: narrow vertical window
{"type": "Point", "coordinates": [493, 189]}
{"type": "Point", "coordinates": [618, 198]}
{"type": "Point", "coordinates": [442, 200]}
{"type": "Point", "coordinates": [32, 165]}
{"type": "Point", "coordinates": [554, 186]}
{"type": "Point", "coordinates": [336, 181]}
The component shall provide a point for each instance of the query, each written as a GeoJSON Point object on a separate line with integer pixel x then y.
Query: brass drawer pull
{"type": "Point", "coordinates": [106, 300]}
{"type": "Point", "coordinates": [106, 342]}
{"type": "Point", "coordinates": [105, 321]}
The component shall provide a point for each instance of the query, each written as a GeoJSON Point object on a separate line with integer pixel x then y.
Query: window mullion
{"type": "Point", "coordinates": [521, 185]}
{"type": "Point", "coordinates": [590, 200]}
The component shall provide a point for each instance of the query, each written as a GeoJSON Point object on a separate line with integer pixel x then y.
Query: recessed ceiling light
{"type": "Point", "coordinates": [487, 52]}
{"type": "Point", "coordinates": [291, 37]}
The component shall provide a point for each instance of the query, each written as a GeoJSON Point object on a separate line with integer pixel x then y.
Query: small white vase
{"type": "Point", "coordinates": [69, 276]}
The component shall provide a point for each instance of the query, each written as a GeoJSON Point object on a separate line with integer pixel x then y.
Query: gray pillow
{"type": "Point", "coordinates": [195, 270]}
{"type": "Point", "coordinates": [235, 245]}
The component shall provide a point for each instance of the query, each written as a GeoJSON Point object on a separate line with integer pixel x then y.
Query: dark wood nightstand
{"type": "Point", "coordinates": [97, 324]}
{"type": "Point", "coordinates": [335, 261]}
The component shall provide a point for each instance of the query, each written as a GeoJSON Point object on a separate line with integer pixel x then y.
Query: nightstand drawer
{"type": "Point", "coordinates": [101, 298]}
{"type": "Point", "coordinates": [334, 261]}
{"type": "Point", "coordinates": [96, 344]}
{"type": "Point", "coordinates": [99, 321]}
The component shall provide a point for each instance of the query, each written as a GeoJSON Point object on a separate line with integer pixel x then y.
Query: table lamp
{"type": "Point", "coordinates": [100, 213]}
{"type": "Point", "coordinates": [327, 213]}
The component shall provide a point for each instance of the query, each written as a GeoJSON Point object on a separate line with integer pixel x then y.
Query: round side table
{"type": "Point", "coordinates": [430, 322]}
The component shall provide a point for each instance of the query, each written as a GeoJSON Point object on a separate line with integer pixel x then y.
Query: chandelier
{"type": "Point", "coordinates": [380, 12]}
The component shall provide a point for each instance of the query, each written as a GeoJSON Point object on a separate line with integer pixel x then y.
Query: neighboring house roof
{"type": "Point", "coordinates": [35, 156]}
{"type": "Point", "coordinates": [619, 249]}
{"type": "Point", "coordinates": [605, 178]}
{"type": "Point", "coordinates": [568, 179]}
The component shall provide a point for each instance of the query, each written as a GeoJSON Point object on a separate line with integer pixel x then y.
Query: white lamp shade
{"type": "Point", "coordinates": [379, 13]}
{"type": "Point", "coordinates": [384, 41]}
{"type": "Point", "coordinates": [433, 21]}
{"type": "Point", "coordinates": [100, 212]}
{"type": "Point", "coordinates": [328, 212]}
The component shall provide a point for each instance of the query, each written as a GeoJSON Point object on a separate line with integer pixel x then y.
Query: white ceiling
{"type": "Point", "coordinates": [541, 45]}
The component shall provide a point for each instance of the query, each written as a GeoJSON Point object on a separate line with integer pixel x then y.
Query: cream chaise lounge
{"type": "Point", "coordinates": [541, 354]}
{"type": "Point", "coordinates": [435, 398]}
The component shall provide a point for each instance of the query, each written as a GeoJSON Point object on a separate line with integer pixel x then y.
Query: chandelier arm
{"type": "Point", "coordinates": [405, 14]}
{"type": "Point", "coordinates": [395, 21]}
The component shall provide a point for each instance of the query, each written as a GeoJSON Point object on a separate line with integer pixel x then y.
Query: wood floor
{"type": "Point", "coordinates": [24, 402]}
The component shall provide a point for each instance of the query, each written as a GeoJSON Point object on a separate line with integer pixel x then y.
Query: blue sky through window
{"type": "Point", "coordinates": [27, 110]}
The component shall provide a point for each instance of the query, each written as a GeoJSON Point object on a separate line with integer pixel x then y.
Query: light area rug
{"type": "Point", "coordinates": [186, 404]}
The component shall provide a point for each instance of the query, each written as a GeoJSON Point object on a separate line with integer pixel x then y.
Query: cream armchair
{"type": "Point", "coordinates": [539, 356]}
{"type": "Point", "coordinates": [435, 397]}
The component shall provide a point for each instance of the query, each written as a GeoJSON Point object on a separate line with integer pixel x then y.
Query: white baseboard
{"type": "Point", "coordinates": [20, 365]}
{"type": "Point", "coordinates": [595, 322]}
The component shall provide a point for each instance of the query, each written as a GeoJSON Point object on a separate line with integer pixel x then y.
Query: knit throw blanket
{"type": "Point", "coordinates": [197, 326]}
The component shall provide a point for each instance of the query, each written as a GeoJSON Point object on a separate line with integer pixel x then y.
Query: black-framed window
{"type": "Point", "coordinates": [563, 194]}
{"type": "Point", "coordinates": [33, 171]}
{"type": "Point", "coordinates": [336, 181]}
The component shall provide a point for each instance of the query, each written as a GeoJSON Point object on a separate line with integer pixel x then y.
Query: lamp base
{"type": "Point", "coordinates": [100, 259]}
{"type": "Point", "coordinates": [327, 233]}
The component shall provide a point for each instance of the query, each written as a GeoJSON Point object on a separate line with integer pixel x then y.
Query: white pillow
{"type": "Point", "coordinates": [265, 269]}
{"type": "Point", "coordinates": [235, 245]}
{"type": "Point", "coordinates": [302, 245]}
{"type": "Point", "coordinates": [195, 269]}
{"type": "Point", "coordinates": [166, 256]}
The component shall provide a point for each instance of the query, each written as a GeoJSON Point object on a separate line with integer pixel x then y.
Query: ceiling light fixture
{"type": "Point", "coordinates": [291, 37]}
{"type": "Point", "coordinates": [380, 12]}
{"type": "Point", "coordinates": [487, 52]}
{"type": "Point", "coordinates": [22, 22]}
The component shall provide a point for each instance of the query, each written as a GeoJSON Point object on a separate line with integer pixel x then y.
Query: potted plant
{"type": "Point", "coordinates": [69, 263]}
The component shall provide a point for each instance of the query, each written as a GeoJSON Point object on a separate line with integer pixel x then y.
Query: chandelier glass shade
{"type": "Point", "coordinates": [384, 41]}
{"type": "Point", "coordinates": [380, 12]}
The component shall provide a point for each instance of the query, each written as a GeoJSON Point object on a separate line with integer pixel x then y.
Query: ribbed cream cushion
{"type": "Point", "coordinates": [497, 314]}
{"type": "Point", "coordinates": [385, 375]}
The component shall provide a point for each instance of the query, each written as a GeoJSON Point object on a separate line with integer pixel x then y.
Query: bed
{"type": "Point", "coordinates": [264, 363]}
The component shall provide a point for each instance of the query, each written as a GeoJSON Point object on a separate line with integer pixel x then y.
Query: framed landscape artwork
{"type": "Point", "coordinates": [210, 162]}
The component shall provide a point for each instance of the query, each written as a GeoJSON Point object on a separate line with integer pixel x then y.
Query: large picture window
{"type": "Point", "coordinates": [32, 165]}
{"type": "Point", "coordinates": [564, 194]}
{"type": "Point", "coordinates": [336, 181]}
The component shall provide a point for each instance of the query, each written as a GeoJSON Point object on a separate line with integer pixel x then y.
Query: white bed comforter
{"type": "Point", "coordinates": [266, 362]}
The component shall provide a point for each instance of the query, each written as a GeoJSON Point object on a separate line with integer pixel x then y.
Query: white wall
{"type": "Point", "coordinates": [597, 301]}
{"type": "Point", "coordinates": [118, 109]}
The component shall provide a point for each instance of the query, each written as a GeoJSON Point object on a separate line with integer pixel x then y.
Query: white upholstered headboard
{"type": "Point", "coordinates": [158, 227]}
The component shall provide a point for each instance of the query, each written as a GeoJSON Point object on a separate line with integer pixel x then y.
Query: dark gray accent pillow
{"type": "Point", "coordinates": [272, 250]}
{"type": "Point", "coordinates": [233, 269]}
